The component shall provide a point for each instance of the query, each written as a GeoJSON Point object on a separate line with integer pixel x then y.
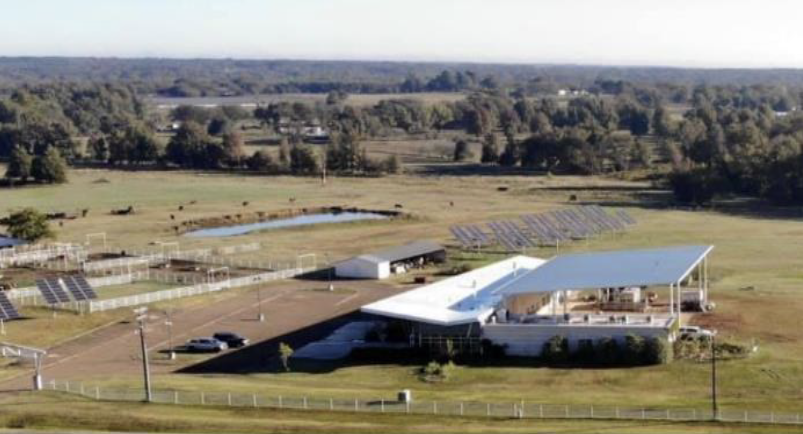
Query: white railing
{"type": "Point", "coordinates": [189, 291]}
{"type": "Point", "coordinates": [498, 409]}
{"type": "Point", "coordinates": [25, 255]}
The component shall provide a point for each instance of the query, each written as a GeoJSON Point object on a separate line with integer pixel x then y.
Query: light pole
{"type": "Point", "coordinates": [260, 315]}
{"type": "Point", "coordinates": [329, 273]}
{"type": "Point", "coordinates": [714, 406]}
{"type": "Point", "coordinates": [171, 353]}
{"type": "Point", "coordinates": [141, 316]}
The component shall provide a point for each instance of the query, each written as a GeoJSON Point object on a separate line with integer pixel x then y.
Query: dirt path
{"type": "Point", "coordinates": [288, 306]}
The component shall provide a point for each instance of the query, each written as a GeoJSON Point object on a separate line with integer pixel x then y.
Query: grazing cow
{"type": "Point", "coordinates": [193, 202]}
{"type": "Point", "coordinates": [84, 212]}
{"type": "Point", "coordinates": [181, 207]}
{"type": "Point", "coordinates": [172, 217]}
{"type": "Point", "coordinates": [398, 206]}
{"type": "Point", "coordinates": [451, 203]}
{"type": "Point", "coordinates": [292, 200]}
{"type": "Point", "coordinates": [245, 203]}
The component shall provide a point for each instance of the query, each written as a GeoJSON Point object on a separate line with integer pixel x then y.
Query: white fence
{"type": "Point", "coordinates": [513, 409]}
{"type": "Point", "coordinates": [189, 291]}
{"type": "Point", "coordinates": [26, 255]}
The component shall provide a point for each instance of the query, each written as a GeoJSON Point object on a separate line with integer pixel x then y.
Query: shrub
{"type": "Point", "coordinates": [490, 349]}
{"type": "Point", "coordinates": [657, 351]}
{"type": "Point", "coordinates": [556, 349]}
{"type": "Point", "coordinates": [585, 351]}
{"type": "Point", "coordinates": [435, 371]}
{"type": "Point", "coordinates": [285, 352]}
{"type": "Point", "coordinates": [607, 352]}
{"type": "Point", "coordinates": [633, 351]}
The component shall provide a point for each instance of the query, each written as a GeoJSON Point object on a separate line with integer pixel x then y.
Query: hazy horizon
{"type": "Point", "coordinates": [649, 33]}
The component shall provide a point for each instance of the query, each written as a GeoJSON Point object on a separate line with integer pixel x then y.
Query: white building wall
{"type": "Point", "coordinates": [529, 339]}
{"type": "Point", "coordinates": [358, 268]}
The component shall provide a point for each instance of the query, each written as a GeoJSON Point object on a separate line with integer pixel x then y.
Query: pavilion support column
{"type": "Point", "coordinates": [679, 287]}
{"type": "Point", "coordinates": [565, 303]}
{"type": "Point", "coordinates": [705, 279]}
{"type": "Point", "coordinates": [671, 299]}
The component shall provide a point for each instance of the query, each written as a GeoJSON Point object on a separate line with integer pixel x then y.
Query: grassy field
{"type": "Point", "coordinates": [755, 271]}
{"type": "Point", "coordinates": [47, 411]}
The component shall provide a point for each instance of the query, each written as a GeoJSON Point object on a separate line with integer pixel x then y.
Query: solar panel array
{"type": "Point", "coordinates": [52, 291]}
{"type": "Point", "coordinates": [550, 228]}
{"type": "Point", "coordinates": [7, 310]}
{"type": "Point", "coordinates": [79, 288]}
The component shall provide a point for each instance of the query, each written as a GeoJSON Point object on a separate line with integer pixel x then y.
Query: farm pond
{"type": "Point", "coordinates": [299, 220]}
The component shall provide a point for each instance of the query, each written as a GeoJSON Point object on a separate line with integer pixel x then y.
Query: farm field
{"type": "Point", "coordinates": [358, 100]}
{"type": "Point", "coordinates": [754, 270]}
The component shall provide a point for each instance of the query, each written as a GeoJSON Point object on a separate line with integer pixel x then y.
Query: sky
{"type": "Point", "coordinates": [688, 33]}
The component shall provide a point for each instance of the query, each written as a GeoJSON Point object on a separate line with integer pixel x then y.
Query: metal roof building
{"type": "Point", "coordinates": [613, 269]}
{"type": "Point", "coordinates": [466, 298]}
{"type": "Point", "coordinates": [378, 265]}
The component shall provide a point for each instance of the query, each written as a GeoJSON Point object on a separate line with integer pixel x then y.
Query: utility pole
{"type": "Point", "coordinates": [329, 272]}
{"type": "Point", "coordinates": [714, 406]}
{"type": "Point", "coordinates": [260, 315]}
{"type": "Point", "coordinates": [141, 316]}
{"type": "Point", "coordinates": [171, 353]}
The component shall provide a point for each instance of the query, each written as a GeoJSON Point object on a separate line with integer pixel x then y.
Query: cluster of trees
{"type": "Point", "coordinates": [49, 168]}
{"type": "Point", "coordinates": [28, 224]}
{"type": "Point", "coordinates": [738, 141]}
{"type": "Point", "coordinates": [38, 125]}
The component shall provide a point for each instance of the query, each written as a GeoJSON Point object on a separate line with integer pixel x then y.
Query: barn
{"type": "Point", "coordinates": [398, 259]}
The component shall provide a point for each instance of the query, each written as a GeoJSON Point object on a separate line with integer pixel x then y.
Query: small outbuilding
{"type": "Point", "coordinates": [399, 259]}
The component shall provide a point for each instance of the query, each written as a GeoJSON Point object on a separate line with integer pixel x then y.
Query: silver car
{"type": "Point", "coordinates": [204, 345]}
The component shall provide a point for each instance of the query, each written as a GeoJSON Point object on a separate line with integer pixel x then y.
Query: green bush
{"type": "Point", "coordinates": [633, 351]}
{"type": "Point", "coordinates": [435, 371]}
{"type": "Point", "coordinates": [585, 351]}
{"type": "Point", "coordinates": [607, 352]}
{"type": "Point", "coordinates": [556, 349]}
{"type": "Point", "coordinates": [657, 351]}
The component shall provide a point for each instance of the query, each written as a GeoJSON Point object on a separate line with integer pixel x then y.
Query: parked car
{"type": "Point", "coordinates": [203, 345]}
{"type": "Point", "coordinates": [233, 340]}
{"type": "Point", "coordinates": [694, 332]}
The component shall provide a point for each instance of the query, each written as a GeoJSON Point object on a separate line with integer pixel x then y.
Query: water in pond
{"type": "Point", "coordinates": [302, 220]}
{"type": "Point", "coordinates": [9, 242]}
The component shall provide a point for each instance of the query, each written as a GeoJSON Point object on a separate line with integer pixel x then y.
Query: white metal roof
{"type": "Point", "coordinates": [461, 299]}
{"type": "Point", "coordinates": [614, 269]}
{"type": "Point", "coordinates": [398, 253]}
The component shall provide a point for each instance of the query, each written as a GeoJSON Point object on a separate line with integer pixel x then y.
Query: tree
{"type": "Point", "coordinates": [19, 165]}
{"type": "Point", "coordinates": [260, 161]}
{"type": "Point", "coordinates": [285, 352]}
{"type": "Point", "coordinates": [50, 168]}
{"type": "Point", "coordinates": [490, 150]}
{"type": "Point", "coordinates": [29, 225]}
{"type": "Point", "coordinates": [284, 153]}
{"type": "Point", "coordinates": [461, 151]}
{"type": "Point", "coordinates": [302, 160]}
{"type": "Point", "coordinates": [233, 148]}
{"type": "Point", "coordinates": [219, 126]}
{"type": "Point", "coordinates": [392, 165]}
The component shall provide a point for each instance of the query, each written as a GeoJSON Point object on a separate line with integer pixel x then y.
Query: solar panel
{"type": "Point", "coordinates": [626, 217]}
{"type": "Point", "coordinates": [79, 288]}
{"type": "Point", "coordinates": [7, 310]}
{"type": "Point", "coordinates": [52, 292]}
